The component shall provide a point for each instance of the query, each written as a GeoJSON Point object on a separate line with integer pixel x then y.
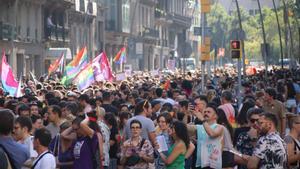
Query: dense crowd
{"type": "Point", "coordinates": [162, 121]}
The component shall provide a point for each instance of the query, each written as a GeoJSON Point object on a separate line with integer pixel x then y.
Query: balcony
{"type": "Point", "coordinates": [59, 34]}
{"type": "Point", "coordinates": [181, 20]}
{"type": "Point", "coordinates": [149, 2]}
{"type": "Point", "coordinates": [60, 3]}
{"type": "Point", "coordinates": [7, 31]}
{"type": "Point", "coordinates": [150, 33]}
{"type": "Point", "coordinates": [162, 17]}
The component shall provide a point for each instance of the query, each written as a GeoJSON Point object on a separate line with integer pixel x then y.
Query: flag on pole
{"type": "Point", "coordinates": [121, 56]}
{"type": "Point", "coordinates": [19, 92]}
{"type": "Point", "coordinates": [97, 68]}
{"type": "Point", "coordinates": [33, 78]}
{"type": "Point", "coordinates": [57, 65]}
{"type": "Point", "coordinates": [8, 81]}
{"type": "Point", "coordinates": [85, 77]}
{"type": "Point", "coordinates": [74, 67]}
{"type": "Point", "coordinates": [105, 68]}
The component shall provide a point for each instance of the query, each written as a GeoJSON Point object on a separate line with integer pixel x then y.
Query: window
{"type": "Point", "coordinates": [125, 16]}
{"type": "Point", "coordinates": [81, 5]}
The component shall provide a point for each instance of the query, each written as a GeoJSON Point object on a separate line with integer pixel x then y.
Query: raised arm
{"type": "Point", "coordinates": [69, 134]}
{"type": "Point", "coordinates": [85, 127]}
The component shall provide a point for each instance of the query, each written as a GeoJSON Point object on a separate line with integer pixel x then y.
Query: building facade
{"type": "Point", "coordinates": [33, 33]}
{"type": "Point", "coordinates": [21, 25]}
{"type": "Point", "coordinates": [173, 21]}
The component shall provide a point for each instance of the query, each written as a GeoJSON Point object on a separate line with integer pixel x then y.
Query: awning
{"type": "Point", "coordinates": [57, 52]}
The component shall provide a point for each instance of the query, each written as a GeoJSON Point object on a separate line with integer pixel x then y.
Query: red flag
{"type": "Point", "coordinates": [105, 68]}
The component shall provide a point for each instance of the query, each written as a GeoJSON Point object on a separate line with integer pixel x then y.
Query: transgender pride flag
{"type": "Point", "coordinates": [8, 81]}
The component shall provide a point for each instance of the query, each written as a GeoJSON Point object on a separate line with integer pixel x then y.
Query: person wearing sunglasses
{"type": "Point", "coordinates": [270, 149]}
{"type": "Point", "coordinates": [247, 139]}
{"type": "Point", "coordinates": [136, 152]}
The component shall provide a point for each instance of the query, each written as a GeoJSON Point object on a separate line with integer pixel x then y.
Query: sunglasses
{"type": "Point", "coordinates": [253, 120]}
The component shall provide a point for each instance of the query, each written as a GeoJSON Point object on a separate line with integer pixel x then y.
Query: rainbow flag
{"type": "Point", "coordinates": [8, 81]}
{"type": "Point", "coordinates": [57, 65]}
{"type": "Point", "coordinates": [85, 77]}
{"type": "Point", "coordinates": [74, 67]}
{"type": "Point", "coordinates": [121, 56]}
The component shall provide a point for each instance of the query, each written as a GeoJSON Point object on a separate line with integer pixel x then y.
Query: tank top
{"type": "Point", "coordinates": [178, 163]}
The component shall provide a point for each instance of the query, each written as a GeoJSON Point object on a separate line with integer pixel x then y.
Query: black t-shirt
{"type": "Point", "coordinates": [114, 148]}
{"type": "Point", "coordinates": [238, 131]}
{"type": "Point", "coordinates": [110, 108]}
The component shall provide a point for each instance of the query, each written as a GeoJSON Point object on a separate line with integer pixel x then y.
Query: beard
{"type": "Point", "coordinates": [263, 132]}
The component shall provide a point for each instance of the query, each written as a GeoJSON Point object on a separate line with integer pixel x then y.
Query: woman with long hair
{"type": "Point", "coordinates": [177, 152]}
{"type": "Point", "coordinates": [229, 160]}
{"type": "Point", "coordinates": [61, 148]}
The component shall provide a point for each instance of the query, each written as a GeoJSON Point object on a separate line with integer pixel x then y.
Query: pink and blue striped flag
{"type": "Point", "coordinates": [8, 81]}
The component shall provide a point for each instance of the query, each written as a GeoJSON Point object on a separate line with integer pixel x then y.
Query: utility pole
{"type": "Point", "coordinates": [279, 33]}
{"type": "Point", "coordinates": [239, 59]}
{"type": "Point", "coordinates": [265, 41]}
{"type": "Point", "coordinates": [242, 39]}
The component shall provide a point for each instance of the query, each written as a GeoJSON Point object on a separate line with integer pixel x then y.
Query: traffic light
{"type": "Point", "coordinates": [235, 47]}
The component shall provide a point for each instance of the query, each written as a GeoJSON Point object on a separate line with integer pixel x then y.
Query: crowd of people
{"type": "Point", "coordinates": [155, 122]}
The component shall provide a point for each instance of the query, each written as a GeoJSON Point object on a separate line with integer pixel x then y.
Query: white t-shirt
{"type": "Point", "coordinates": [46, 162]}
{"type": "Point", "coordinates": [29, 143]}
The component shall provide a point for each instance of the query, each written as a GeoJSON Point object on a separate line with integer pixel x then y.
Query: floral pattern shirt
{"type": "Point", "coordinates": [146, 149]}
{"type": "Point", "coordinates": [271, 150]}
{"type": "Point", "coordinates": [244, 144]}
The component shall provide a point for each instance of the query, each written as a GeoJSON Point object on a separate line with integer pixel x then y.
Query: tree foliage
{"type": "Point", "coordinates": [223, 23]}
